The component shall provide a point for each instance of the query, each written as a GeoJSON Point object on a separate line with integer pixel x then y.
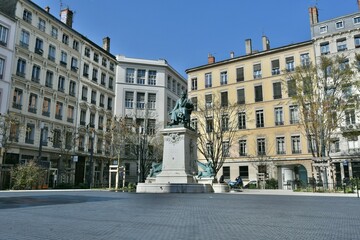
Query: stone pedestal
{"type": "Point", "coordinates": [179, 165]}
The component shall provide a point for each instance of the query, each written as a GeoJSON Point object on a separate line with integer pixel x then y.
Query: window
{"type": "Point", "coordinates": [87, 52]}
{"type": "Point", "coordinates": [96, 57]}
{"type": "Point", "coordinates": [194, 123]}
{"type": "Point", "coordinates": [151, 101]}
{"type": "Point", "coordinates": [305, 59]}
{"type": "Point", "coordinates": [4, 32]}
{"type": "Point", "coordinates": [2, 68]}
{"type": "Point", "coordinates": [295, 144]}
{"type": "Point", "coordinates": [223, 78]}
{"type": "Point", "coordinates": [30, 133]}
{"type": "Point", "coordinates": [350, 117]}
{"type": "Point", "coordinates": [210, 150]}
{"type": "Point", "coordinates": [208, 80]}
{"type": "Point", "coordinates": [275, 67]}
{"type": "Point", "coordinates": [45, 135]}
{"type": "Point", "coordinates": [59, 110]}
{"type": "Point", "coordinates": [92, 120]}
{"type": "Point", "coordinates": [140, 79]}
{"type": "Point", "coordinates": [208, 101]}
{"type": "Point", "coordinates": [17, 98]}
{"type": "Point", "coordinates": [65, 39]}
{"type": "Point", "coordinates": [356, 20]}
{"type": "Point", "coordinates": [83, 117]}
{"type": "Point", "coordinates": [290, 64]}
{"type": "Point", "coordinates": [57, 138]}
{"type": "Point", "coordinates": [240, 74]}
{"type": "Point", "coordinates": [291, 85]}
{"type": "Point", "coordinates": [130, 75]}
{"type": "Point", "coordinates": [241, 96]}
{"type": "Point", "coordinates": [225, 149]}
{"type": "Point", "coordinates": [209, 125]}
{"type": "Point", "coordinates": [49, 79]}
{"type": "Point", "coordinates": [32, 103]}
{"type": "Point", "coordinates": [104, 62]}
{"type": "Point", "coordinates": [224, 99]}
{"type": "Point", "coordinates": [70, 114]}
{"type": "Point", "coordinates": [35, 76]}
{"type": "Point", "coordinates": [111, 67]}
{"type": "Point", "coordinates": [357, 41]}
{"type": "Point", "coordinates": [279, 120]}
{"type": "Point", "coordinates": [94, 74]}
{"type": "Point", "coordinates": [194, 102]}
{"type": "Point", "coordinates": [41, 25]}
{"type": "Point", "coordinates": [324, 48]}
{"type": "Point", "coordinates": [335, 146]}
{"type": "Point", "coordinates": [258, 93]}
{"type": "Point", "coordinates": [294, 114]}
{"type": "Point", "coordinates": [226, 172]}
{"type": "Point", "coordinates": [341, 45]}
{"type": "Point", "coordinates": [109, 103]}
{"type": "Point", "coordinates": [101, 122]}
{"type": "Point", "coordinates": [151, 126]}
{"type": "Point", "coordinates": [103, 79]}
{"type": "Point", "coordinates": [93, 97]}
{"type": "Point", "coordinates": [244, 172]}
{"type": "Point", "coordinates": [72, 88]}
{"type": "Point", "coordinates": [261, 147]}
{"type": "Point", "coordinates": [54, 32]}
{"type": "Point", "coordinates": [84, 93]}
{"type": "Point", "coordinates": [81, 144]}
{"type": "Point", "coordinates": [353, 143]}
{"type": "Point", "coordinates": [323, 29]}
{"type": "Point", "coordinates": [61, 84]}
{"type": "Point", "coordinates": [242, 148]}
{"type": "Point", "coordinates": [63, 59]}
{"type": "Point", "coordinates": [21, 67]}
{"type": "Point", "coordinates": [152, 77]}
{"type": "Point", "coordinates": [178, 89]}
{"type": "Point", "coordinates": [46, 107]}
{"type": "Point", "coordinates": [280, 145]}
{"type": "Point", "coordinates": [277, 90]}
{"type": "Point", "coordinates": [174, 85]}
{"type": "Point", "coordinates": [52, 53]}
{"type": "Point", "coordinates": [140, 100]}
{"type": "Point", "coordinates": [102, 100]}
{"type": "Point", "coordinates": [194, 84]}
{"type": "Point", "coordinates": [344, 64]}
{"type": "Point", "coordinates": [39, 46]}
{"type": "Point", "coordinates": [312, 147]}
{"type": "Point", "coordinates": [111, 81]}
{"type": "Point", "coordinates": [27, 16]}
{"type": "Point", "coordinates": [76, 45]}
{"type": "Point", "coordinates": [24, 39]}
{"type": "Point", "coordinates": [339, 24]}
{"type": "Point", "coordinates": [257, 71]}
{"type": "Point", "coordinates": [242, 120]}
{"type": "Point", "coordinates": [225, 122]}
{"type": "Point", "coordinates": [259, 118]}
{"type": "Point", "coordinates": [129, 99]}
{"type": "Point", "coordinates": [74, 64]}
{"type": "Point", "coordinates": [86, 70]}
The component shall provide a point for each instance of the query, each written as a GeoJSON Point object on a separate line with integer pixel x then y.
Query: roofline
{"type": "Point", "coordinates": [336, 18]}
{"type": "Point", "coordinates": [69, 28]}
{"type": "Point", "coordinates": [249, 56]}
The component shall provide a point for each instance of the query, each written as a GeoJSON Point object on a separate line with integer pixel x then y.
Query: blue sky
{"type": "Point", "coordinates": [184, 31]}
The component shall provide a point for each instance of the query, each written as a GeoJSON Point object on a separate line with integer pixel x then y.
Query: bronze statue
{"type": "Point", "coordinates": [181, 111]}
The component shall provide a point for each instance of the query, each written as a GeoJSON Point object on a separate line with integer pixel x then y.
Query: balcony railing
{"type": "Point", "coordinates": [58, 116]}
{"type": "Point", "coordinates": [29, 141]}
{"type": "Point", "coordinates": [32, 109]}
{"type": "Point", "coordinates": [17, 105]}
{"type": "Point", "coordinates": [46, 114]}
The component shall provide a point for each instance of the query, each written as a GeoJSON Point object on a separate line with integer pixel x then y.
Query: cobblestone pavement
{"type": "Point", "coordinates": [115, 215]}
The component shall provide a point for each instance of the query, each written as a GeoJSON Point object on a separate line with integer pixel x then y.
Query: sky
{"type": "Point", "coordinates": [184, 32]}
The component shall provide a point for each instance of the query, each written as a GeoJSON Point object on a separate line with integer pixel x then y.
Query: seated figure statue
{"type": "Point", "coordinates": [182, 110]}
{"type": "Point", "coordinates": [155, 169]}
{"type": "Point", "coordinates": [207, 170]}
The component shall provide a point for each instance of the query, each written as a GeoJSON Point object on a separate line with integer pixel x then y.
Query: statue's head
{"type": "Point", "coordinates": [183, 94]}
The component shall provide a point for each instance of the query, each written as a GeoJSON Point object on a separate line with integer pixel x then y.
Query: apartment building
{"type": "Point", "coordinates": [146, 91]}
{"type": "Point", "coordinates": [340, 36]}
{"type": "Point", "coordinates": [56, 105]}
{"type": "Point", "coordinates": [269, 141]}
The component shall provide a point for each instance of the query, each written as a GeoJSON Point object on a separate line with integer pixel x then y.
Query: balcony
{"type": "Point", "coordinates": [39, 51]}
{"type": "Point", "coordinates": [294, 121]}
{"type": "Point", "coordinates": [62, 63]}
{"type": "Point", "coordinates": [93, 101]}
{"type": "Point", "coordinates": [58, 116]}
{"type": "Point", "coordinates": [35, 80]}
{"type": "Point", "coordinates": [84, 98]}
{"type": "Point", "coordinates": [29, 141]}
{"type": "Point", "coordinates": [72, 93]}
{"type": "Point", "coordinates": [60, 89]}
{"type": "Point", "coordinates": [280, 152]}
{"type": "Point", "coordinates": [86, 75]}
{"type": "Point", "coordinates": [74, 69]}
{"type": "Point", "coordinates": [94, 79]}
{"type": "Point", "coordinates": [296, 151]}
{"type": "Point", "coordinates": [275, 71]}
{"type": "Point", "coordinates": [70, 120]}
{"type": "Point", "coordinates": [24, 45]}
{"type": "Point", "coordinates": [82, 123]}
{"type": "Point", "coordinates": [17, 105]}
{"type": "Point", "coordinates": [32, 109]}
{"type": "Point", "coordinates": [100, 127]}
{"type": "Point", "coordinates": [101, 104]}
{"type": "Point", "coordinates": [92, 125]}
{"type": "Point", "coordinates": [279, 123]}
{"type": "Point", "coordinates": [20, 74]}
{"type": "Point", "coordinates": [48, 84]}
{"type": "Point", "coordinates": [81, 149]}
{"type": "Point", "coordinates": [51, 58]}
{"type": "Point", "coordinates": [44, 143]}
{"type": "Point", "coordinates": [46, 114]}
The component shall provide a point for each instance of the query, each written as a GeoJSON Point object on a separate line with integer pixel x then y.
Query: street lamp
{"type": "Point", "coordinates": [91, 162]}
{"type": "Point", "coordinates": [41, 140]}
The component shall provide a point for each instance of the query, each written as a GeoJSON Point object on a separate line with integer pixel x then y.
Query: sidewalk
{"type": "Point", "coordinates": [292, 193]}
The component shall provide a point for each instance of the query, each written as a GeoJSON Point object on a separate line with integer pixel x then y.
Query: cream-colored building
{"type": "Point", "coordinates": [269, 141]}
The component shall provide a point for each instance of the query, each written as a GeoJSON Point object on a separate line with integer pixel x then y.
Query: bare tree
{"type": "Point", "coordinates": [9, 132]}
{"type": "Point", "coordinates": [216, 120]}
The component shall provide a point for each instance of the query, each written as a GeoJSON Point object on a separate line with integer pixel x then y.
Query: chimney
{"type": "Point", "coordinates": [232, 53]}
{"type": "Point", "coordinates": [47, 9]}
{"type": "Point", "coordinates": [106, 44]}
{"type": "Point", "coordinates": [358, 3]}
{"type": "Point", "coordinates": [211, 59]}
{"type": "Point", "coordinates": [265, 43]}
{"type": "Point", "coordinates": [66, 16]}
{"type": "Point", "coordinates": [314, 15]}
{"type": "Point", "coordinates": [248, 46]}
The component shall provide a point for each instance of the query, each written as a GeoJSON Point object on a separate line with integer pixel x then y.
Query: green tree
{"type": "Point", "coordinates": [28, 176]}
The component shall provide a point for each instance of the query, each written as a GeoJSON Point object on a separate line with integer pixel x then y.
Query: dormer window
{"type": "Point", "coordinates": [323, 29]}
{"type": "Point", "coordinates": [339, 24]}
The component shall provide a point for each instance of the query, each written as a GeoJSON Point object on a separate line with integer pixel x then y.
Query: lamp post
{"type": "Point", "coordinates": [41, 141]}
{"type": "Point", "coordinates": [91, 161]}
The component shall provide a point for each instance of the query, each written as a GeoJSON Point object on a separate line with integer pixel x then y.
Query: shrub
{"type": "Point", "coordinates": [28, 176]}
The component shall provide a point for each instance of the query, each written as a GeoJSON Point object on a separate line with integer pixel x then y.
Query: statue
{"type": "Point", "coordinates": [207, 169]}
{"type": "Point", "coordinates": [182, 110]}
{"type": "Point", "coordinates": [155, 169]}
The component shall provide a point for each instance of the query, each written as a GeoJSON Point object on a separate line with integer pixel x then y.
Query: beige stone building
{"type": "Point", "coordinates": [269, 142]}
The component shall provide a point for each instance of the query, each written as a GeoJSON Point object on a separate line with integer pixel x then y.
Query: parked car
{"type": "Point", "coordinates": [251, 184]}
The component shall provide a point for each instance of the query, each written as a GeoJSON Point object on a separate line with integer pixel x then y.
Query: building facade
{"type": "Point", "coordinates": [333, 37]}
{"type": "Point", "coordinates": [269, 142]}
{"type": "Point", "coordinates": [146, 91]}
{"type": "Point", "coordinates": [56, 107]}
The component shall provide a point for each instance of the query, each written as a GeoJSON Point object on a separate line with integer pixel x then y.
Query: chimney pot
{"type": "Point", "coordinates": [47, 9]}
{"type": "Point", "coordinates": [66, 16]}
{"type": "Point", "coordinates": [265, 43]}
{"type": "Point", "coordinates": [232, 53]}
{"type": "Point", "coordinates": [358, 3]}
{"type": "Point", "coordinates": [314, 15]}
{"type": "Point", "coordinates": [248, 46]}
{"type": "Point", "coordinates": [211, 59]}
{"type": "Point", "coordinates": [106, 44]}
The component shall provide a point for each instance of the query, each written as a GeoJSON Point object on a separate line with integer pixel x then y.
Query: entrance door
{"type": "Point", "coordinates": [287, 178]}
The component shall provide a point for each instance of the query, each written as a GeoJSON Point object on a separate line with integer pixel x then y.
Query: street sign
{"type": "Point", "coordinates": [75, 158]}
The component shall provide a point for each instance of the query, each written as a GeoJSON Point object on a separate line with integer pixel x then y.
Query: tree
{"type": "Point", "coordinates": [325, 92]}
{"type": "Point", "coordinates": [215, 119]}
{"type": "Point", "coordinates": [28, 176]}
{"type": "Point", "coordinates": [9, 132]}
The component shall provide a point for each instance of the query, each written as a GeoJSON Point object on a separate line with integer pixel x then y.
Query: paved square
{"type": "Point", "coordinates": [115, 215]}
